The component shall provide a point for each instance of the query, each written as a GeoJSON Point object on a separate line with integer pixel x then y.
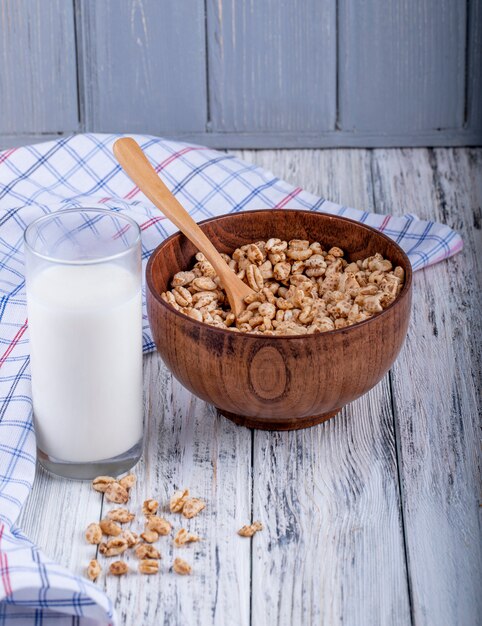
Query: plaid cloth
{"type": "Point", "coordinates": [80, 171]}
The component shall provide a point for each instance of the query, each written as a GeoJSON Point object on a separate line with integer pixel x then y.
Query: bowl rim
{"type": "Point", "coordinates": [402, 295]}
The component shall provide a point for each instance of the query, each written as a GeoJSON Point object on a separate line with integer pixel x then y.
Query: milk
{"type": "Point", "coordinates": [85, 325]}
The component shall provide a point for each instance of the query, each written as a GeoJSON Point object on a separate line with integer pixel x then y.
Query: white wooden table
{"type": "Point", "coordinates": [371, 518]}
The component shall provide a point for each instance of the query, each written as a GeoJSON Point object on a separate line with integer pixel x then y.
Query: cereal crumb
{"type": "Point", "coordinates": [114, 546]}
{"type": "Point", "coordinates": [131, 537]}
{"type": "Point", "coordinates": [150, 536]}
{"type": "Point", "coordinates": [93, 534]}
{"type": "Point", "coordinates": [178, 499]}
{"type": "Point", "coordinates": [116, 493]}
{"type": "Point", "coordinates": [148, 566]}
{"type": "Point", "coordinates": [123, 516]}
{"type": "Point", "coordinates": [93, 569]}
{"type": "Point", "coordinates": [158, 524]}
{"type": "Point", "coordinates": [128, 481]}
{"type": "Point", "coordinates": [147, 551]}
{"type": "Point", "coordinates": [102, 482]}
{"type": "Point", "coordinates": [150, 507]}
{"type": "Point", "coordinates": [183, 536]}
{"type": "Point", "coordinates": [180, 566]}
{"type": "Point", "coordinates": [192, 507]}
{"type": "Point", "coordinates": [109, 527]}
{"type": "Point", "coordinates": [118, 568]}
{"type": "Point", "coordinates": [248, 531]}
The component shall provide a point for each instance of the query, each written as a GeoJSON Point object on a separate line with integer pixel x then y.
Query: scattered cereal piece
{"type": "Point", "coordinates": [109, 527]}
{"type": "Point", "coordinates": [123, 516]}
{"type": "Point", "coordinates": [116, 493]}
{"type": "Point", "coordinates": [183, 536]}
{"type": "Point", "coordinates": [192, 507]}
{"type": "Point", "coordinates": [102, 482]}
{"type": "Point", "coordinates": [118, 568]}
{"type": "Point", "coordinates": [248, 531]}
{"type": "Point", "coordinates": [93, 534]}
{"type": "Point", "coordinates": [128, 481]}
{"type": "Point", "coordinates": [148, 566]}
{"type": "Point", "coordinates": [180, 566]}
{"type": "Point", "coordinates": [150, 536]}
{"type": "Point", "coordinates": [150, 507]}
{"type": "Point", "coordinates": [93, 569]}
{"type": "Point", "coordinates": [160, 525]}
{"type": "Point", "coordinates": [177, 500]}
{"type": "Point", "coordinates": [114, 546]}
{"type": "Point", "coordinates": [146, 551]}
{"type": "Point", "coordinates": [131, 537]}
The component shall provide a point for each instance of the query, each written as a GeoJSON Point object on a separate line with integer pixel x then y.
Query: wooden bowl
{"type": "Point", "coordinates": [277, 383]}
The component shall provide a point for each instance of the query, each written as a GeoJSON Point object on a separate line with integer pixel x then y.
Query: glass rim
{"type": "Point", "coordinates": [94, 261]}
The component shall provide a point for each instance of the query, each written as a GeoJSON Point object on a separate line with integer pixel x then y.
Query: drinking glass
{"type": "Point", "coordinates": [83, 281]}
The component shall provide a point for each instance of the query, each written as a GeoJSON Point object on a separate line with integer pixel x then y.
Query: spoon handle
{"type": "Point", "coordinates": [134, 162]}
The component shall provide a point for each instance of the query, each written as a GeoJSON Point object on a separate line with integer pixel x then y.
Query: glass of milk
{"type": "Point", "coordinates": [83, 277]}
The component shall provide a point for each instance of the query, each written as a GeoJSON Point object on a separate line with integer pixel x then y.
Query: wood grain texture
{"type": "Point", "coordinates": [333, 550]}
{"type": "Point", "coordinates": [401, 65]}
{"type": "Point", "coordinates": [474, 69]}
{"type": "Point", "coordinates": [38, 82]}
{"type": "Point", "coordinates": [260, 381]}
{"type": "Point", "coordinates": [142, 65]}
{"type": "Point", "coordinates": [436, 385]}
{"type": "Point", "coordinates": [272, 65]}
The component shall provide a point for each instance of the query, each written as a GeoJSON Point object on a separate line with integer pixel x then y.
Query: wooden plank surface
{"type": "Point", "coordinates": [142, 65]}
{"type": "Point", "coordinates": [436, 383]}
{"type": "Point", "coordinates": [272, 65]}
{"type": "Point", "coordinates": [401, 65]}
{"type": "Point", "coordinates": [329, 495]}
{"type": "Point", "coordinates": [38, 82]}
{"type": "Point", "coordinates": [339, 520]}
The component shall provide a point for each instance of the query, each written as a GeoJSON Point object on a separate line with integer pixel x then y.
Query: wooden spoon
{"type": "Point", "coordinates": [135, 164]}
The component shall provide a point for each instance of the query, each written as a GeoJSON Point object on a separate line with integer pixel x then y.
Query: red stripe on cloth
{"type": "Point", "coordinates": [6, 154]}
{"type": "Point", "coordinates": [7, 585]}
{"type": "Point", "coordinates": [289, 197]}
{"type": "Point", "coordinates": [151, 222]}
{"type": "Point", "coordinates": [164, 164]}
{"type": "Point", "coordinates": [383, 225]}
{"type": "Point", "coordinates": [14, 342]}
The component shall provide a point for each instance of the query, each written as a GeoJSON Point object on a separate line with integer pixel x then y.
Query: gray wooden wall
{"type": "Point", "coordinates": [244, 73]}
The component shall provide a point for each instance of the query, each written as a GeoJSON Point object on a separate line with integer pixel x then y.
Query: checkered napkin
{"type": "Point", "coordinates": [80, 171]}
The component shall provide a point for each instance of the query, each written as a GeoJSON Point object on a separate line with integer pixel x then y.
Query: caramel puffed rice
{"type": "Point", "coordinates": [150, 507]}
{"type": "Point", "coordinates": [114, 546]}
{"type": "Point", "coordinates": [118, 568]}
{"type": "Point", "coordinates": [93, 569]}
{"type": "Point", "coordinates": [300, 288]}
{"type": "Point", "coordinates": [109, 527]}
{"type": "Point", "coordinates": [160, 525]}
{"type": "Point", "coordinates": [248, 531]}
{"type": "Point", "coordinates": [147, 551]}
{"type": "Point", "coordinates": [115, 492]}
{"type": "Point", "coordinates": [180, 566]}
{"type": "Point", "coordinates": [102, 482]}
{"type": "Point", "coordinates": [123, 516]}
{"type": "Point", "coordinates": [178, 499]}
{"type": "Point", "coordinates": [150, 536]}
{"type": "Point", "coordinates": [192, 507]}
{"type": "Point", "coordinates": [128, 481]}
{"type": "Point", "coordinates": [93, 534]}
{"type": "Point", "coordinates": [183, 536]}
{"type": "Point", "coordinates": [148, 566]}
